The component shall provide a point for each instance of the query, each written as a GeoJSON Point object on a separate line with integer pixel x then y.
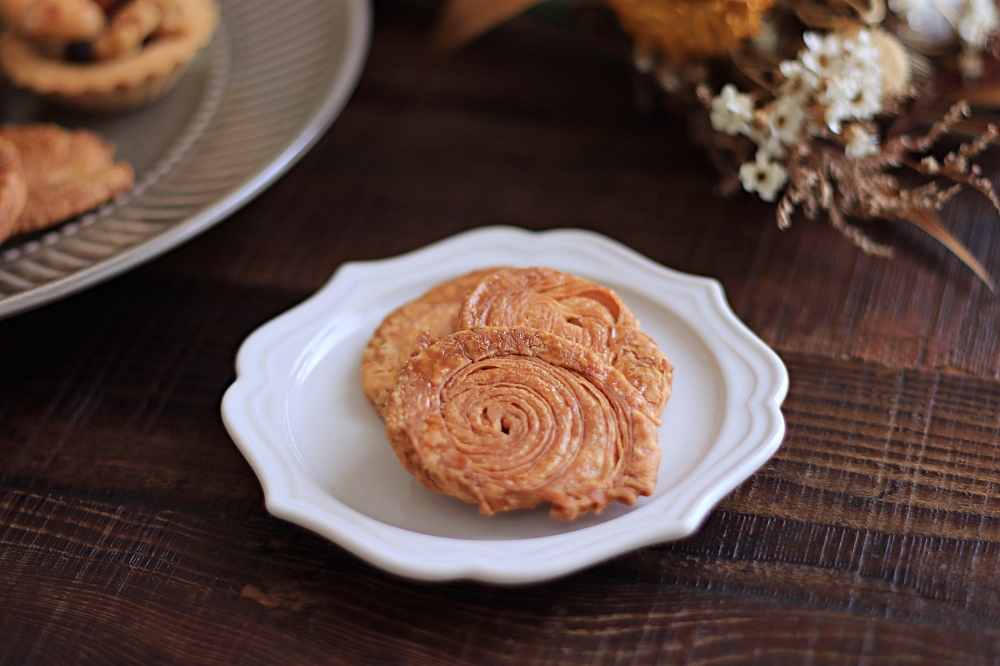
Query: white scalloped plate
{"type": "Point", "coordinates": [298, 414]}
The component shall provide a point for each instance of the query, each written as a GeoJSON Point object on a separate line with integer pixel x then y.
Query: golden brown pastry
{"type": "Point", "coordinates": [104, 61]}
{"type": "Point", "coordinates": [67, 172]}
{"type": "Point", "coordinates": [435, 314]}
{"type": "Point", "coordinates": [55, 20]}
{"type": "Point", "coordinates": [576, 309]}
{"type": "Point", "coordinates": [13, 189]}
{"type": "Point", "coordinates": [509, 418]}
{"type": "Point", "coordinates": [130, 27]}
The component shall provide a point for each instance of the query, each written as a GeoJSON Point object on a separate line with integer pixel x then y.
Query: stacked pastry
{"type": "Point", "coordinates": [513, 387]}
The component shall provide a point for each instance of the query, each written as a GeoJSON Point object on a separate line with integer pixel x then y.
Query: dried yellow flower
{"type": "Point", "coordinates": [681, 29]}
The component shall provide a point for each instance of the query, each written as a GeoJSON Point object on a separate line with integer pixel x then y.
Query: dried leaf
{"type": "Point", "coordinates": [981, 96]}
{"type": "Point", "coordinates": [464, 20]}
{"type": "Point", "coordinates": [858, 237]}
{"type": "Point", "coordinates": [929, 223]}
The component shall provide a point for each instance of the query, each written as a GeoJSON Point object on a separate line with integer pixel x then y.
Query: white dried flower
{"type": "Point", "coordinates": [763, 176]}
{"type": "Point", "coordinates": [842, 71]}
{"type": "Point", "coordinates": [790, 69]}
{"type": "Point", "coordinates": [822, 54]}
{"type": "Point", "coordinates": [768, 145]}
{"type": "Point", "coordinates": [847, 99]}
{"type": "Point", "coordinates": [862, 46]}
{"type": "Point", "coordinates": [786, 119]}
{"type": "Point", "coordinates": [860, 142]}
{"type": "Point", "coordinates": [732, 111]}
{"type": "Point", "coordinates": [979, 20]}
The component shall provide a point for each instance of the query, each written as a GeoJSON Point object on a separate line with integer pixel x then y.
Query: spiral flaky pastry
{"type": "Point", "coordinates": [576, 309]}
{"type": "Point", "coordinates": [509, 418]}
{"type": "Point", "coordinates": [430, 317]}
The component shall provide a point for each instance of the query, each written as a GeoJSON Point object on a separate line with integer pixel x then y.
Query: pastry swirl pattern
{"type": "Point", "coordinates": [428, 318]}
{"type": "Point", "coordinates": [509, 418]}
{"type": "Point", "coordinates": [576, 309]}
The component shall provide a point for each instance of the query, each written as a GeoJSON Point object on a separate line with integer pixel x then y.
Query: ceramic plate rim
{"type": "Point", "coordinates": [292, 493]}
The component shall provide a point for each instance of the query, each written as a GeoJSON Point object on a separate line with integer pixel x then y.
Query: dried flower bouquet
{"type": "Point", "coordinates": [801, 101]}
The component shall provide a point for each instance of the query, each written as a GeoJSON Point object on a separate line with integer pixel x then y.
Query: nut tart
{"type": "Point", "coordinates": [129, 56]}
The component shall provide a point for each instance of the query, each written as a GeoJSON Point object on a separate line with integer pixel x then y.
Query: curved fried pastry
{"type": "Point", "coordinates": [578, 310]}
{"type": "Point", "coordinates": [13, 189]}
{"type": "Point", "coordinates": [68, 172]}
{"type": "Point", "coordinates": [508, 418]}
{"type": "Point", "coordinates": [434, 314]}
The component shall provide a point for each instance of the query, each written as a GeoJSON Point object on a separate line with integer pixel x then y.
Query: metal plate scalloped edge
{"type": "Point", "coordinates": [277, 98]}
{"type": "Point", "coordinates": [256, 412]}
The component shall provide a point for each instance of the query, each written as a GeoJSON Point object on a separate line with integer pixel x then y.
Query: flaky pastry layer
{"type": "Point", "coordinates": [509, 418]}
{"type": "Point", "coordinates": [576, 309]}
{"type": "Point", "coordinates": [434, 314]}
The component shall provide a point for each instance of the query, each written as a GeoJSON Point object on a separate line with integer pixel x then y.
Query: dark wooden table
{"type": "Point", "coordinates": [132, 531]}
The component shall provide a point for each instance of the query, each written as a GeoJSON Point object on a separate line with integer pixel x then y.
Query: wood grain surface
{"type": "Point", "coordinates": [133, 532]}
